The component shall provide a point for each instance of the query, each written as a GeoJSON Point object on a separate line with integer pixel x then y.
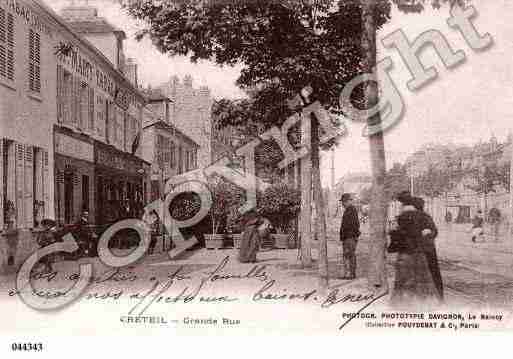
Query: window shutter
{"type": "Point", "coordinates": [20, 182]}
{"type": "Point", "coordinates": [34, 61]}
{"type": "Point", "coordinates": [60, 99]}
{"type": "Point", "coordinates": [31, 60]}
{"type": "Point", "coordinates": [2, 164]}
{"type": "Point", "coordinates": [75, 112]}
{"type": "Point", "coordinates": [29, 186]}
{"type": "Point", "coordinates": [91, 109]}
{"type": "Point", "coordinates": [46, 184]}
{"type": "Point", "coordinates": [10, 47]}
{"type": "Point", "coordinates": [3, 43]}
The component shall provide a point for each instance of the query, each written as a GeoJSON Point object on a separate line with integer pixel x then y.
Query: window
{"type": "Point", "coordinates": [34, 61]}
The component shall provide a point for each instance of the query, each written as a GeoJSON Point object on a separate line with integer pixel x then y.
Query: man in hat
{"type": "Point", "coordinates": [349, 233]}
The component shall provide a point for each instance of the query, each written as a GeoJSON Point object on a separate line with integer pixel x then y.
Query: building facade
{"type": "Point", "coordinates": [168, 149]}
{"type": "Point", "coordinates": [190, 112]}
{"type": "Point", "coordinates": [27, 114]}
{"type": "Point", "coordinates": [98, 164]}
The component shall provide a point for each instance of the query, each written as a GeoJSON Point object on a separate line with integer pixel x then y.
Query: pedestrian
{"type": "Point", "coordinates": [83, 232]}
{"type": "Point", "coordinates": [477, 226]}
{"type": "Point", "coordinates": [413, 286]}
{"type": "Point", "coordinates": [250, 242]}
{"type": "Point", "coordinates": [430, 232]}
{"type": "Point", "coordinates": [349, 233]}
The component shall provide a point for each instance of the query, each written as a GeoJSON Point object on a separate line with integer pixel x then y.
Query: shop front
{"type": "Point", "coordinates": [121, 184]}
{"type": "Point", "coordinates": [74, 169]}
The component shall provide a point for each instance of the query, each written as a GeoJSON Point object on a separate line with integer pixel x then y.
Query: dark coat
{"type": "Point", "coordinates": [350, 226]}
{"type": "Point", "coordinates": [408, 237]}
{"type": "Point", "coordinates": [250, 242]}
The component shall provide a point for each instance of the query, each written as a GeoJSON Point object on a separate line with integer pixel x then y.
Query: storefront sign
{"type": "Point", "coordinates": [69, 146]}
{"type": "Point", "coordinates": [28, 15]}
{"type": "Point", "coordinates": [109, 158]}
{"type": "Point", "coordinates": [78, 63]}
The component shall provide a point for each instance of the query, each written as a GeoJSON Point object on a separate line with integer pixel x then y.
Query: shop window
{"type": "Point", "coordinates": [34, 61]}
{"type": "Point", "coordinates": [6, 45]}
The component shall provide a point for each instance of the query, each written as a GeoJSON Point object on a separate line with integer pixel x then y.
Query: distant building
{"type": "Point", "coordinates": [168, 149]}
{"type": "Point", "coordinates": [190, 112]}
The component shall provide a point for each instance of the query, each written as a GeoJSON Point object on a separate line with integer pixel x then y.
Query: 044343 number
{"type": "Point", "coordinates": [27, 347]}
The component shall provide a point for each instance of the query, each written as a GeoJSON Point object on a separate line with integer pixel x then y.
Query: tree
{"type": "Point", "coordinates": [284, 46]}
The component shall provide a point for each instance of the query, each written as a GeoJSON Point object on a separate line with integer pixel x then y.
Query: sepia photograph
{"type": "Point", "coordinates": [177, 168]}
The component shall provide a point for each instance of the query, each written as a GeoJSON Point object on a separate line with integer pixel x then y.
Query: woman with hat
{"type": "Point", "coordinates": [250, 242]}
{"type": "Point", "coordinates": [414, 284]}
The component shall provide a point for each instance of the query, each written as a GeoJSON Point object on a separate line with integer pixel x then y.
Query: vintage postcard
{"type": "Point", "coordinates": [237, 167]}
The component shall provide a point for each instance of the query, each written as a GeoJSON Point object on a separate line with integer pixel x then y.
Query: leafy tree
{"type": "Point", "coordinates": [283, 46]}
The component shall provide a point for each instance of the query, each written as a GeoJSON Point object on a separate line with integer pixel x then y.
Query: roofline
{"type": "Point", "coordinates": [169, 126]}
{"type": "Point", "coordinates": [55, 17]}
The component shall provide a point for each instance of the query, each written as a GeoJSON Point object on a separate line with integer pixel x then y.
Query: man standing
{"type": "Point", "coordinates": [349, 233]}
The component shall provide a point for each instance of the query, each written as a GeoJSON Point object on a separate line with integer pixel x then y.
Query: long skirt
{"type": "Point", "coordinates": [250, 243]}
{"type": "Point", "coordinates": [414, 287]}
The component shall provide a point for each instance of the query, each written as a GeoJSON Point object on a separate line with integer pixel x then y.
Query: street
{"type": "Point", "coordinates": [475, 276]}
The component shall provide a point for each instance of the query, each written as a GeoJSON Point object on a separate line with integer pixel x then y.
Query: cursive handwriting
{"type": "Point", "coordinates": [362, 309]}
{"type": "Point", "coordinates": [264, 294]}
{"type": "Point", "coordinates": [256, 272]}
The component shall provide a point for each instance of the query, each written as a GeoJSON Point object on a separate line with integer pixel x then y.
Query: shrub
{"type": "Point", "coordinates": [281, 204]}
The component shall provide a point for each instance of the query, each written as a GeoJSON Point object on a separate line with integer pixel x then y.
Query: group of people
{"type": "Point", "coordinates": [50, 233]}
{"type": "Point", "coordinates": [412, 237]}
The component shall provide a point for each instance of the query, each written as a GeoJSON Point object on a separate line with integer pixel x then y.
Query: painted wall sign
{"type": "Point", "coordinates": [73, 147]}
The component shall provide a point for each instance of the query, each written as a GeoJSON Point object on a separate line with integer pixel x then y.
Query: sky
{"type": "Point", "coordinates": [463, 105]}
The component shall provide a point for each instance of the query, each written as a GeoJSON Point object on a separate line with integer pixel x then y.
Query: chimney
{"type": "Point", "coordinates": [75, 12]}
{"type": "Point", "coordinates": [131, 71]}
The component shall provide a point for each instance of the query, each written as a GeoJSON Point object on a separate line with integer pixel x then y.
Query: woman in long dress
{"type": "Point", "coordinates": [414, 285]}
{"type": "Point", "coordinates": [250, 242]}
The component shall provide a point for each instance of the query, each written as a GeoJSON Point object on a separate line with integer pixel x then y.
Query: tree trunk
{"type": "Point", "coordinates": [306, 199]}
{"type": "Point", "coordinates": [377, 277]}
{"type": "Point", "coordinates": [319, 207]}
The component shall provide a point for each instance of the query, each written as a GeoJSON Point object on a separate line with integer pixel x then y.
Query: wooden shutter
{"type": "Point", "coordinates": [75, 100]}
{"type": "Point", "coordinates": [10, 47]}
{"type": "Point", "coordinates": [2, 197]}
{"type": "Point", "coordinates": [91, 110]}
{"type": "Point", "coordinates": [46, 184]}
{"type": "Point", "coordinates": [29, 186]}
{"type": "Point", "coordinates": [34, 61]}
{"type": "Point", "coordinates": [60, 93]}
{"type": "Point", "coordinates": [20, 183]}
{"type": "Point", "coordinates": [3, 43]}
